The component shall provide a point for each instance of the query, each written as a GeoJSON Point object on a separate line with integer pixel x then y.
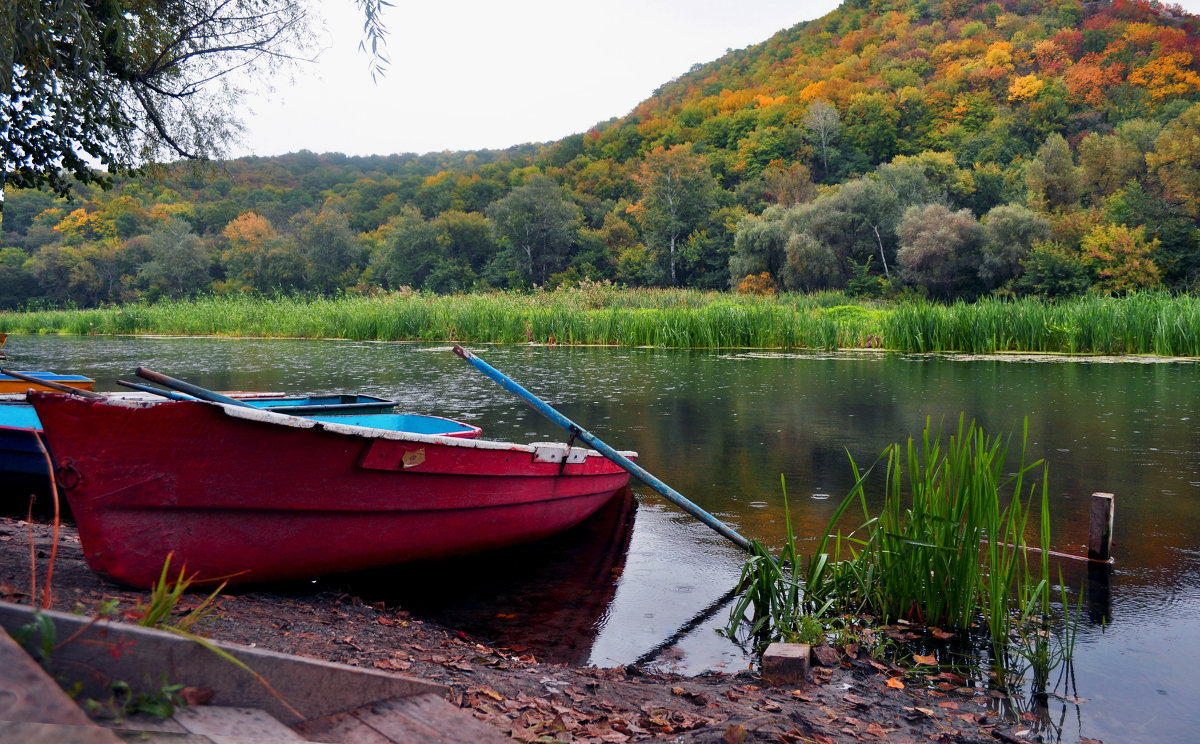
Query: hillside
{"type": "Point", "coordinates": [951, 149]}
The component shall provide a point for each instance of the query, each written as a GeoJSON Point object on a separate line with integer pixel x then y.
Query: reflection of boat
{"type": "Point", "coordinates": [257, 496]}
{"type": "Point", "coordinates": [552, 596]}
{"type": "Point", "coordinates": [10, 384]}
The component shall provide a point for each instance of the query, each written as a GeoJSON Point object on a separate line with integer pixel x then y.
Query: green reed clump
{"type": "Point", "coordinates": [948, 548]}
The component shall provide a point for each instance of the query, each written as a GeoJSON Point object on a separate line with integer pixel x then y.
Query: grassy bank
{"type": "Point", "coordinates": [1139, 324]}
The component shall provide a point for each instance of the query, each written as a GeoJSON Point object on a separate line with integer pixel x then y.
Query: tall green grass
{"type": "Point", "coordinates": [1141, 323]}
{"type": "Point", "coordinates": [1146, 323]}
{"type": "Point", "coordinates": [948, 549]}
{"type": "Point", "coordinates": [591, 314]}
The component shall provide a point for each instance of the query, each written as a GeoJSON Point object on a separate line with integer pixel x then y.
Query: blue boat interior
{"type": "Point", "coordinates": [412, 423]}
{"type": "Point", "coordinates": [19, 415]}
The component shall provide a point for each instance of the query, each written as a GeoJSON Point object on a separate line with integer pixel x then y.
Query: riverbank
{"type": "Point", "coordinates": [527, 699]}
{"type": "Point", "coordinates": [1141, 323]}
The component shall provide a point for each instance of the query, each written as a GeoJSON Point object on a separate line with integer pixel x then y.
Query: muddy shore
{"type": "Point", "coordinates": [530, 699]}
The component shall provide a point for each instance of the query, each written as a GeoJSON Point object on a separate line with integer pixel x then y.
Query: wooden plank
{"type": "Point", "coordinates": [428, 718]}
{"type": "Point", "coordinates": [28, 694]}
{"type": "Point", "coordinates": [50, 733]}
{"type": "Point", "coordinates": [343, 728]}
{"type": "Point", "coordinates": [241, 723]}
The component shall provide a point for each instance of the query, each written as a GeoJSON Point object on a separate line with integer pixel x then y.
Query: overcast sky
{"type": "Point", "coordinates": [474, 74]}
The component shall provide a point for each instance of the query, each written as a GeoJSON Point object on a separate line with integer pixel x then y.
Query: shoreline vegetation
{"type": "Point", "coordinates": [1143, 323]}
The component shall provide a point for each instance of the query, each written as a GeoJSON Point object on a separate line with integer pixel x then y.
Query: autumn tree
{"type": "Point", "coordinates": [258, 258]}
{"type": "Point", "coordinates": [1121, 258]}
{"type": "Point", "coordinates": [678, 193]}
{"type": "Point", "coordinates": [1175, 160]}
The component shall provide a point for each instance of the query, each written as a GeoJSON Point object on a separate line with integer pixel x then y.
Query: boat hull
{"type": "Point", "coordinates": [252, 496]}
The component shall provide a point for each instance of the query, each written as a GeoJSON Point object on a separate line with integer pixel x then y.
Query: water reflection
{"type": "Point", "coordinates": [721, 427]}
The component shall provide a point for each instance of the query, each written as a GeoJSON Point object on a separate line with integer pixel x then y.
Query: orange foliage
{"type": "Point", "coordinates": [758, 284]}
{"type": "Point", "coordinates": [249, 231]}
{"type": "Point", "coordinates": [1051, 58]}
{"type": "Point", "coordinates": [1088, 82]}
{"type": "Point", "coordinates": [734, 100]}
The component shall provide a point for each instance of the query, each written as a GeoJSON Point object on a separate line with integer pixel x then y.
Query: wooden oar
{"type": "Point", "coordinates": [169, 394]}
{"type": "Point", "coordinates": [578, 432]}
{"type": "Point", "coordinates": [186, 387]}
{"type": "Point", "coordinates": [52, 384]}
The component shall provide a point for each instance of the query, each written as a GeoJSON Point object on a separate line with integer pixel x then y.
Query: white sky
{"type": "Point", "coordinates": [475, 74]}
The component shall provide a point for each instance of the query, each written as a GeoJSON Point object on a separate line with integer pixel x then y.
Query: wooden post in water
{"type": "Point", "coordinates": [1100, 528]}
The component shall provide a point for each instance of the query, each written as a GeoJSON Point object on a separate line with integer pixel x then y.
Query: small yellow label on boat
{"type": "Point", "coordinates": [414, 458]}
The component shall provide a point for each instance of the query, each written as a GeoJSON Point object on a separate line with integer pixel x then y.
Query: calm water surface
{"type": "Point", "coordinates": [721, 427]}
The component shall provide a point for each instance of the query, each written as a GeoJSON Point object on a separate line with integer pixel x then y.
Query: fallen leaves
{"type": "Point", "coordinates": [895, 683]}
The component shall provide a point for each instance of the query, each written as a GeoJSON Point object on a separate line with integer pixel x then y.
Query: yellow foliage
{"type": "Point", "coordinates": [765, 100]}
{"type": "Point", "coordinates": [999, 54]}
{"type": "Point", "coordinates": [1025, 88]}
{"type": "Point", "coordinates": [1167, 76]}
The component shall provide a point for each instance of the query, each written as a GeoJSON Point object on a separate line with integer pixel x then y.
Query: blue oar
{"type": "Point", "coordinates": [590, 439]}
{"type": "Point", "coordinates": [169, 394]}
{"type": "Point", "coordinates": [187, 387]}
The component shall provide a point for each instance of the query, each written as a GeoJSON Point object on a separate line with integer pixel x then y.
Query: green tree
{"type": "Point", "coordinates": [759, 246]}
{"type": "Point", "coordinates": [20, 284]}
{"type": "Point", "coordinates": [678, 193]}
{"type": "Point", "coordinates": [332, 257]}
{"type": "Point", "coordinates": [939, 249]}
{"type": "Point", "coordinates": [1009, 232]}
{"type": "Point", "coordinates": [1053, 179]}
{"type": "Point", "coordinates": [120, 81]}
{"type": "Point", "coordinates": [178, 265]}
{"type": "Point", "coordinates": [410, 251]}
{"type": "Point", "coordinates": [538, 227]}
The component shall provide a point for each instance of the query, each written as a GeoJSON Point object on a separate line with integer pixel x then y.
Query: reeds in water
{"type": "Point", "coordinates": [1143, 323]}
{"type": "Point", "coordinates": [948, 549]}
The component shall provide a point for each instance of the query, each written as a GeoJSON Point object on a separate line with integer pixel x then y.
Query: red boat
{"type": "Point", "coordinates": [251, 496]}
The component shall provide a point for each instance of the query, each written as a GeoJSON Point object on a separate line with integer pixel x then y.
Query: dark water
{"type": "Point", "coordinates": [721, 427]}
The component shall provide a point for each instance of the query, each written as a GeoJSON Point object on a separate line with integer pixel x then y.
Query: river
{"type": "Point", "coordinates": [721, 427]}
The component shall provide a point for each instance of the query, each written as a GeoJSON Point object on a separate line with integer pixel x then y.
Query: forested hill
{"type": "Point", "coordinates": [950, 149]}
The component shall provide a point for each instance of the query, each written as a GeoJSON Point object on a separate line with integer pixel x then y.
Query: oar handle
{"type": "Point", "coordinates": [187, 387]}
{"type": "Point", "coordinates": [147, 389]}
{"type": "Point", "coordinates": [590, 439]}
{"type": "Point", "coordinates": [52, 384]}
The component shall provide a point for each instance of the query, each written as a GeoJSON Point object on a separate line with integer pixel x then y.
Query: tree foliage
{"type": "Point", "coordinates": [948, 148]}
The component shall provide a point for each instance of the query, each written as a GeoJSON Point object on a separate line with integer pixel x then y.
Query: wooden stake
{"type": "Point", "coordinates": [1100, 528]}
